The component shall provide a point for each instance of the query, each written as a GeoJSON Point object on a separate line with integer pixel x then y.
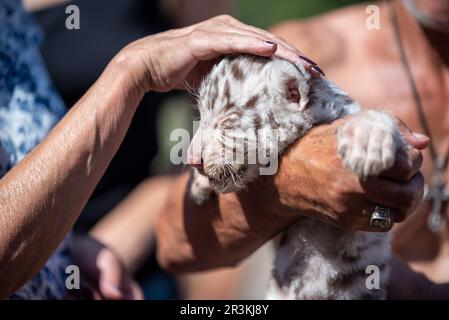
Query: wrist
{"type": "Point", "coordinates": [127, 68]}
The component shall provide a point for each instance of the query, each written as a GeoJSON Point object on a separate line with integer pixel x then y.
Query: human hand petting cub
{"type": "Point", "coordinates": [157, 63]}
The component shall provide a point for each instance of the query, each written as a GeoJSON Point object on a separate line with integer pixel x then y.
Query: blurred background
{"type": "Point", "coordinates": [269, 12]}
{"type": "Point", "coordinates": [75, 58]}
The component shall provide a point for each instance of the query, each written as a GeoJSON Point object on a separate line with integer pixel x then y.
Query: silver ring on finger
{"type": "Point", "coordinates": [380, 218]}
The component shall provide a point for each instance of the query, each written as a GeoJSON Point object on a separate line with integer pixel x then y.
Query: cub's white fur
{"type": "Point", "coordinates": [246, 95]}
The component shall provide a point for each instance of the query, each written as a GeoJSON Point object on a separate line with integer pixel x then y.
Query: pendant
{"type": "Point", "coordinates": [438, 196]}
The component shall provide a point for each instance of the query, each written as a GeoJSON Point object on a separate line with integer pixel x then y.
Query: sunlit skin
{"type": "Point", "coordinates": [367, 65]}
{"type": "Point", "coordinates": [310, 180]}
{"type": "Point", "coordinates": [43, 195]}
{"type": "Point", "coordinates": [361, 62]}
{"type": "Point", "coordinates": [50, 191]}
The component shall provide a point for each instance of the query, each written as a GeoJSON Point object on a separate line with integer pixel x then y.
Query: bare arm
{"type": "Point", "coordinates": [219, 233]}
{"type": "Point", "coordinates": [129, 229]}
{"type": "Point", "coordinates": [34, 5]}
{"type": "Point", "coordinates": [42, 196]}
{"type": "Point", "coordinates": [311, 180]}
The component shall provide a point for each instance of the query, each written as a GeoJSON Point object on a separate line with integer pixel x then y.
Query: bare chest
{"type": "Point", "coordinates": [389, 89]}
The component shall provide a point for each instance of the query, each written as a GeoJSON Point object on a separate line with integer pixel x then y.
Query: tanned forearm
{"type": "Point", "coordinates": [129, 228]}
{"type": "Point", "coordinates": [35, 5]}
{"type": "Point", "coordinates": [220, 233]}
{"type": "Point", "coordinates": [311, 180]}
{"type": "Point", "coordinates": [43, 195]}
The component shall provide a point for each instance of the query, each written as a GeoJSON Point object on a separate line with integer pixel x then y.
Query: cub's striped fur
{"type": "Point", "coordinates": [247, 100]}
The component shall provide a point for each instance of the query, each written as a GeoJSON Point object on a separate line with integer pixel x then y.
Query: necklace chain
{"type": "Point", "coordinates": [438, 193]}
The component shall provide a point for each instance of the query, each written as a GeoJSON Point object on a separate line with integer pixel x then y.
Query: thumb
{"type": "Point", "coordinates": [416, 140]}
{"type": "Point", "coordinates": [110, 278]}
{"type": "Point", "coordinates": [109, 290]}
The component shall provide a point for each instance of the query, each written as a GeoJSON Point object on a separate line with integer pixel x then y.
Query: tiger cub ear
{"type": "Point", "coordinates": [291, 81]}
{"type": "Point", "coordinates": [291, 88]}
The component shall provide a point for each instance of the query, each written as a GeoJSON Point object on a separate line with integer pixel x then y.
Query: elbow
{"type": "Point", "coordinates": [178, 257]}
{"type": "Point", "coordinates": [169, 249]}
{"type": "Point", "coordinates": [167, 263]}
{"type": "Point", "coordinates": [172, 254]}
{"type": "Point", "coordinates": [172, 257]}
{"type": "Point", "coordinates": [181, 248]}
{"type": "Point", "coordinates": [179, 264]}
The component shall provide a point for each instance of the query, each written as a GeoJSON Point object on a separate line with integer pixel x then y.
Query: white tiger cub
{"type": "Point", "coordinates": [251, 96]}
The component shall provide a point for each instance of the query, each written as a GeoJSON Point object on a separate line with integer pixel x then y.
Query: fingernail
{"type": "Point", "coordinates": [420, 136]}
{"type": "Point", "coordinates": [313, 63]}
{"type": "Point", "coordinates": [318, 69]}
{"type": "Point", "coordinates": [270, 43]}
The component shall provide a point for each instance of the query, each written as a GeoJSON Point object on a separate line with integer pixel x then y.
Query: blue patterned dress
{"type": "Point", "coordinates": [29, 108]}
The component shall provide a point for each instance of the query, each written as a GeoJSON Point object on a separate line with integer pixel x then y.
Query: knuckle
{"type": "Point", "coordinates": [420, 181]}
{"type": "Point", "coordinates": [197, 33]}
{"type": "Point", "coordinates": [408, 169]}
{"type": "Point", "coordinates": [404, 168]}
{"type": "Point", "coordinates": [197, 38]}
{"type": "Point", "coordinates": [409, 164]}
{"type": "Point", "coordinates": [225, 18]}
{"type": "Point", "coordinates": [409, 192]}
{"type": "Point", "coordinates": [408, 198]}
{"type": "Point", "coordinates": [418, 160]}
{"type": "Point", "coordinates": [276, 38]}
{"type": "Point", "coordinates": [193, 34]}
{"type": "Point", "coordinates": [212, 23]}
{"type": "Point", "coordinates": [418, 190]}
